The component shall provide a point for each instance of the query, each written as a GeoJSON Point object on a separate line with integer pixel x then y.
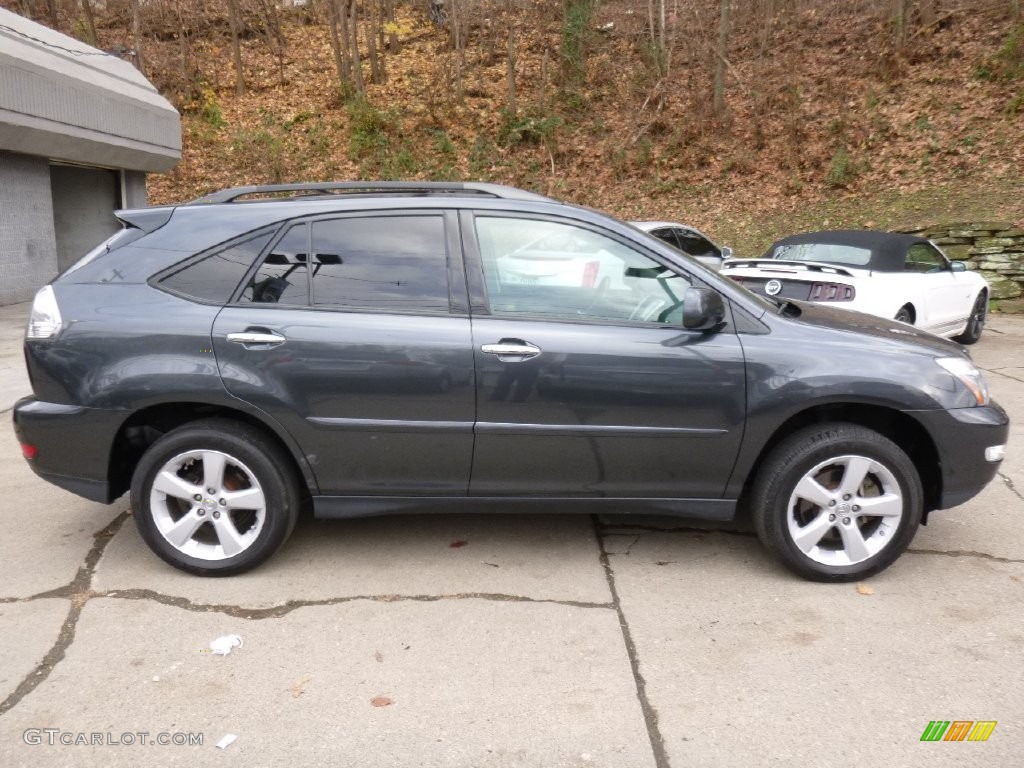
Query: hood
{"type": "Point", "coordinates": [878, 327]}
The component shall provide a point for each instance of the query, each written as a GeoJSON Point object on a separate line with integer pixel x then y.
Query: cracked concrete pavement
{"type": "Point", "coordinates": [542, 641]}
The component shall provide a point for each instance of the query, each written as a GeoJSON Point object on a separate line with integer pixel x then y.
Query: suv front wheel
{"type": "Point", "coordinates": [837, 502]}
{"type": "Point", "coordinates": [214, 498]}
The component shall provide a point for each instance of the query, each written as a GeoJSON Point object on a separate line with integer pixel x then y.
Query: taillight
{"type": "Point", "coordinates": [831, 292]}
{"type": "Point", "coordinates": [28, 451]}
{"type": "Point", "coordinates": [45, 321]}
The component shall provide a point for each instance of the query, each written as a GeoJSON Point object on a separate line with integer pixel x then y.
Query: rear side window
{"type": "Point", "coordinates": [282, 277]}
{"type": "Point", "coordinates": [214, 278]}
{"type": "Point", "coordinates": [383, 263]}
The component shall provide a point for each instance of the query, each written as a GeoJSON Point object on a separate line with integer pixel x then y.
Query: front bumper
{"type": "Point", "coordinates": [73, 444]}
{"type": "Point", "coordinates": [962, 436]}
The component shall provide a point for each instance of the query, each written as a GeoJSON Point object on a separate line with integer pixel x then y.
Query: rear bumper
{"type": "Point", "coordinates": [72, 444]}
{"type": "Point", "coordinates": [961, 436]}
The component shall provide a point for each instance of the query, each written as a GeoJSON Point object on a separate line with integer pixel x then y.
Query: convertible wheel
{"type": "Point", "coordinates": [214, 498]}
{"type": "Point", "coordinates": [904, 316]}
{"type": "Point", "coordinates": [837, 502]}
{"type": "Point", "coordinates": [976, 323]}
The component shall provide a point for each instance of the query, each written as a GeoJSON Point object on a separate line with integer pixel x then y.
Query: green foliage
{"type": "Point", "coordinates": [576, 34]}
{"type": "Point", "coordinates": [210, 109]}
{"type": "Point", "coordinates": [443, 156]}
{"type": "Point", "coordinates": [528, 129]}
{"type": "Point", "coordinates": [841, 169]}
{"type": "Point", "coordinates": [261, 147]}
{"type": "Point", "coordinates": [1011, 54]}
{"type": "Point", "coordinates": [368, 128]}
{"type": "Point", "coordinates": [1015, 105]}
{"type": "Point", "coordinates": [484, 158]}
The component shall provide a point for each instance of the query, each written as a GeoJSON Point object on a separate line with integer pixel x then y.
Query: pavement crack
{"type": "Point", "coordinates": [1011, 486]}
{"type": "Point", "coordinates": [78, 591]}
{"type": "Point", "coordinates": [278, 611]}
{"type": "Point", "coordinates": [999, 372]}
{"type": "Point", "coordinates": [649, 712]}
{"type": "Point", "coordinates": [965, 553]}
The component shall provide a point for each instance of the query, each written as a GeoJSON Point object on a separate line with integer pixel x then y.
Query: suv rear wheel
{"type": "Point", "coordinates": [837, 502]}
{"type": "Point", "coordinates": [214, 498]}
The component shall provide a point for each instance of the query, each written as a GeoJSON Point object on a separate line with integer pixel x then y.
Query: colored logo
{"type": "Point", "coordinates": [958, 730]}
{"type": "Point", "coordinates": [772, 287]}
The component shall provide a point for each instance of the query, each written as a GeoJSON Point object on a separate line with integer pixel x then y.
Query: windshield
{"type": "Point", "coordinates": [830, 253]}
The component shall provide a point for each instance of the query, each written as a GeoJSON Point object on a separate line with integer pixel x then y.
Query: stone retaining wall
{"type": "Point", "coordinates": [993, 248]}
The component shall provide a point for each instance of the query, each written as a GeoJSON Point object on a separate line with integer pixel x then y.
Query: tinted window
{"type": "Point", "coordinates": [830, 253]}
{"type": "Point", "coordinates": [282, 277]}
{"type": "Point", "coordinates": [548, 269]}
{"type": "Point", "coordinates": [388, 263]}
{"type": "Point", "coordinates": [666, 235]}
{"type": "Point", "coordinates": [695, 245]}
{"type": "Point", "coordinates": [921, 257]}
{"type": "Point", "coordinates": [215, 277]}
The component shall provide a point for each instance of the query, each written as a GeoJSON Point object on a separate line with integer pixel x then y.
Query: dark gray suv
{"type": "Point", "coordinates": [376, 347]}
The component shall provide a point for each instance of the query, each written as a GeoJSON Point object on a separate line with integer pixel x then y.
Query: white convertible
{"type": "Point", "coordinates": [890, 275]}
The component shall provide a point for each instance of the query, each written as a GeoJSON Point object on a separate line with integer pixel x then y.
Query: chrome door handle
{"type": "Point", "coordinates": [253, 337]}
{"type": "Point", "coordinates": [511, 350]}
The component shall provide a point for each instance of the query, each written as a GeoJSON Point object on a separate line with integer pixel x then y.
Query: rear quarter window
{"type": "Point", "coordinates": [213, 278]}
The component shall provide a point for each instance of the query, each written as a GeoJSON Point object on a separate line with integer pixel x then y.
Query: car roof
{"type": "Point", "coordinates": [888, 249]}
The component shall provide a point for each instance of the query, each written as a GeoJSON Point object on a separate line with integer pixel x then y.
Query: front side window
{"type": "Point", "coordinates": [562, 271]}
{"type": "Point", "coordinates": [921, 257]}
{"type": "Point", "coordinates": [214, 278]}
{"type": "Point", "coordinates": [384, 263]}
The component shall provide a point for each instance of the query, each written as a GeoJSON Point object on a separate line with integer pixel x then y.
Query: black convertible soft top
{"type": "Point", "coordinates": [888, 249]}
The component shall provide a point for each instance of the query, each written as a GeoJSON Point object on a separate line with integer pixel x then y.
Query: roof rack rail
{"type": "Point", "coordinates": [371, 187]}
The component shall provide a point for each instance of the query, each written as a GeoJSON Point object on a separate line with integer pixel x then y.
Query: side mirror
{"type": "Point", "coordinates": [958, 266]}
{"type": "Point", "coordinates": [726, 252]}
{"type": "Point", "coordinates": [703, 309]}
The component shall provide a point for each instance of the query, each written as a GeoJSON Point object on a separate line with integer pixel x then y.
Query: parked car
{"type": "Point", "coordinates": [364, 347]}
{"type": "Point", "coordinates": [891, 275]}
{"type": "Point", "coordinates": [690, 241]}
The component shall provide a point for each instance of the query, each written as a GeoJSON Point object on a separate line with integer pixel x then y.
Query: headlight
{"type": "Point", "coordinates": [969, 376]}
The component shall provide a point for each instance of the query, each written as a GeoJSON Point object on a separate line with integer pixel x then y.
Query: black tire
{"type": "Point", "coordinates": [828, 452]}
{"type": "Point", "coordinates": [976, 323]}
{"type": "Point", "coordinates": [905, 316]}
{"type": "Point", "coordinates": [252, 468]}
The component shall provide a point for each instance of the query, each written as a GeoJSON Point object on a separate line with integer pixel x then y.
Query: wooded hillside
{"type": "Point", "coordinates": [724, 114]}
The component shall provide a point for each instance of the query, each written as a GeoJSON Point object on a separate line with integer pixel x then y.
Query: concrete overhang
{"type": "Point", "coordinates": [64, 100]}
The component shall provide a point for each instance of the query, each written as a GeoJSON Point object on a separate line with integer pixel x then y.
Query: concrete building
{"type": "Point", "coordinates": [79, 129]}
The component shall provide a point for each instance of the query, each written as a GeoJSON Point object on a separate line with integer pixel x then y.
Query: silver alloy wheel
{"type": "Point", "coordinates": [207, 505]}
{"type": "Point", "coordinates": [845, 510]}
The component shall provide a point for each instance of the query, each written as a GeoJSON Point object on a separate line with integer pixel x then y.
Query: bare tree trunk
{"type": "Point", "coordinates": [456, 26]}
{"type": "Point", "coordinates": [357, 67]}
{"type": "Point", "coordinates": [720, 51]}
{"type": "Point", "coordinates": [376, 71]}
{"type": "Point", "coordinates": [899, 19]}
{"type": "Point", "coordinates": [510, 72]}
{"type": "Point", "coordinates": [341, 61]}
{"type": "Point", "coordinates": [90, 23]}
{"type": "Point", "coordinates": [394, 46]}
{"type": "Point", "coordinates": [274, 34]}
{"type": "Point", "coordinates": [136, 33]}
{"type": "Point", "coordinates": [236, 46]}
{"type": "Point", "coordinates": [51, 10]}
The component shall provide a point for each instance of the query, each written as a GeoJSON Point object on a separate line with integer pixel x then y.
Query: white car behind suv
{"type": "Point", "coordinates": [903, 277]}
